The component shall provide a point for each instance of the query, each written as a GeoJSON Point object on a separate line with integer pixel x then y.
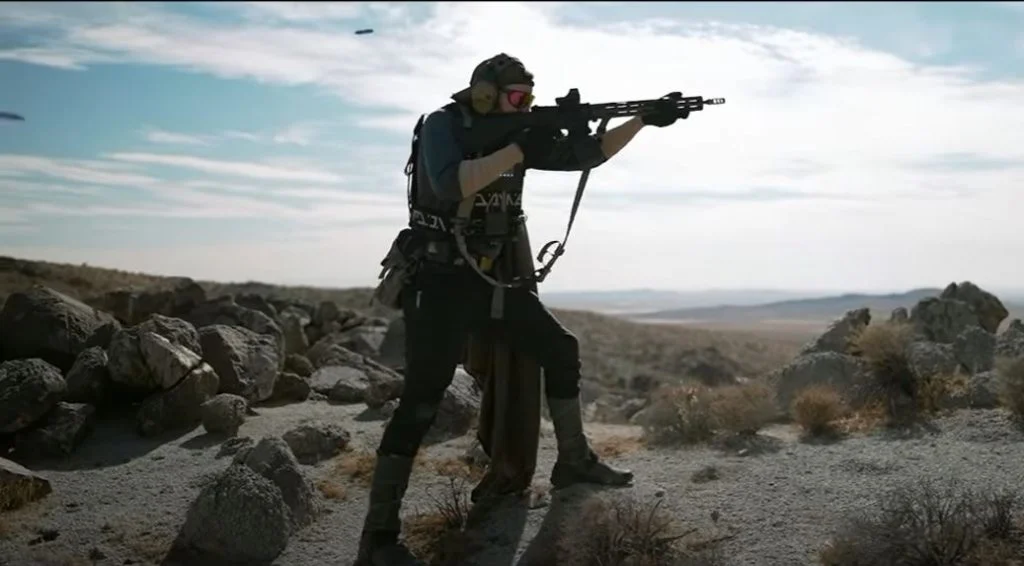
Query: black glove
{"type": "Point", "coordinates": [535, 143]}
{"type": "Point", "coordinates": [664, 113]}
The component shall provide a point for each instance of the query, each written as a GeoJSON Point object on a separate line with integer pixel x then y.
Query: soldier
{"type": "Point", "coordinates": [445, 299]}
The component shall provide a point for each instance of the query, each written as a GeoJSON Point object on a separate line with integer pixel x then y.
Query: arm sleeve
{"type": "Point", "coordinates": [452, 177]}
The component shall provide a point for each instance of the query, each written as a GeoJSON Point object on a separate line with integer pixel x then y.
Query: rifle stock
{"type": "Point", "coordinates": [490, 132]}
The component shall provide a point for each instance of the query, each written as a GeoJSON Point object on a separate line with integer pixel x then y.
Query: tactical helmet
{"type": "Point", "coordinates": [487, 79]}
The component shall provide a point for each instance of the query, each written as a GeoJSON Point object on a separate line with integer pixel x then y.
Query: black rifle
{"type": "Point", "coordinates": [490, 132]}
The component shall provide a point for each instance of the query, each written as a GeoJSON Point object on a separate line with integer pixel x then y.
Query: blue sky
{"type": "Point", "coordinates": [864, 146]}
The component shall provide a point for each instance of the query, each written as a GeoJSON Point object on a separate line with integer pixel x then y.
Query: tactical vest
{"type": "Point", "coordinates": [497, 208]}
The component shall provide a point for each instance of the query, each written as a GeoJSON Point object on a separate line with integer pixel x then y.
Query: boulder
{"type": "Point", "coordinates": [899, 314]}
{"type": "Point", "coordinates": [174, 298]}
{"type": "Point", "coordinates": [273, 459]}
{"type": "Point", "coordinates": [316, 441]}
{"type": "Point", "coordinates": [225, 312]}
{"type": "Point", "coordinates": [224, 414]}
{"type": "Point", "coordinates": [239, 518]}
{"type": "Point", "coordinates": [363, 340]}
{"type": "Point", "coordinates": [843, 372]}
{"type": "Point", "coordinates": [29, 389]}
{"type": "Point", "coordinates": [840, 332]}
{"type": "Point", "coordinates": [290, 388]}
{"type": "Point", "coordinates": [59, 433]}
{"type": "Point", "coordinates": [88, 380]}
{"type": "Point", "coordinates": [257, 303]}
{"type": "Point", "coordinates": [299, 365]}
{"type": "Point", "coordinates": [246, 362]}
{"type": "Point", "coordinates": [975, 349]}
{"type": "Point", "coordinates": [293, 324]}
{"type": "Point", "coordinates": [928, 359]}
{"type": "Point", "coordinates": [458, 410]}
{"type": "Point", "coordinates": [42, 323]}
{"type": "Point", "coordinates": [141, 361]}
{"type": "Point", "coordinates": [20, 486]}
{"type": "Point", "coordinates": [988, 308]}
{"type": "Point", "coordinates": [942, 320]}
{"type": "Point", "coordinates": [180, 407]}
{"type": "Point", "coordinates": [1010, 343]}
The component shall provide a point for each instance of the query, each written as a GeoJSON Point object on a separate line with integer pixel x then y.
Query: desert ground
{"type": "Point", "coordinates": [146, 420]}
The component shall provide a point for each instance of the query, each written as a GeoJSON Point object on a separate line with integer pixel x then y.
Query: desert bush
{"type": "Point", "coordinates": [695, 413]}
{"type": "Point", "coordinates": [884, 348]}
{"type": "Point", "coordinates": [624, 531]}
{"type": "Point", "coordinates": [817, 409]}
{"type": "Point", "coordinates": [679, 415]}
{"type": "Point", "coordinates": [438, 534]}
{"type": "Point", "coordinates": [931, 524]}
{"type": "Point", "coordinates": [743, 409]}
{"type": "Point", "coordinates": [1011, 385]}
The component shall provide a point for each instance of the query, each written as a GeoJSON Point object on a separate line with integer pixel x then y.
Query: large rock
{"type": "Point", "coordinates": [273, 459]}
{"type": "Point", "coordinates": [838, 335]}
{"type": "Point", "coordinates": [975, 349]}
{"type": "Point", "coordinates": [293, 324]}
{"type": "Point", "coordinates": [942, 320]}
{"type": "Point", "coordinates": [843, 372]}
{"type": "Point", "coordinates": [140, 360]}
{"type": "Point", "coordinates": [1010, 343]}
{"type": "Point", "coordinates": [59, 433]}
{"type": "Point", "coordinates": [224, 414]}
{"type": "Point", "coordinates": [986, 306]}
{"type": "Point", "coordinates": [257, 303]}
{"type": "Point", "coordinates": [88, 380]}
{"type": "Point", "coordinates": [372, 382]}
{"type": "Point", "coordinates": [247, 362]}
{"type": "Point", "coordinates": [180, 407]}
{"type": "Point", "coordinates": [458, 410]}
{"type": "Point", "coordinates": [299, 365]}
{"type": "Point", "coordinates": [290, 388]}
{"type": "Point", "coordinates": [29, 389]}
{"type": "Point", "coordinates": [175, 297]}
{"type": "Point", "coordinates": [42, 323]}
{"type": "Point", "coordinates": [928, 359]}
{"type": "Point", "coordinates": [363, 340]}
{"type": "Point", "coordinates": [225, 312]}
{"type": "Point", "coordinates": [19, 486]}
{"type": "Point", "coordinates": [312, 442]}
{"type": "Point", "coordinates": [239, 518]}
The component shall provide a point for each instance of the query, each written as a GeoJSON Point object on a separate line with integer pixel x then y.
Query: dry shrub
{"type": "Point", "coordinates": [1011, 385]}
{"type": "Point", "coordinates": [679, 415]}
{"type": "Point", "coordinates": [867, 417]}
{"type": "Point", "coordinates": [884, 348]}
{"type": "Point", "coordinates": [624, 531]}
{"type": "Point", "coordinates": [616, 446]}
{"type": "Point", "coordinates": [331, 489]}
{"type": "Point", "coordinates": [458, 468]}
{"type": "Point", "coordinates": [358, 466]}
{"type": "Point", "coordinates": [693, 414]}
{"type": "Point", "coordinates": [438, 534]}
{"type": "Point", "coordinates": [18, 493]}
{"type": "Point", "coordinates": [817, 409]}
{"type": "Point", "coordinates": [743, 409]}
{"type": "Point", "coordinates": [931, 525]}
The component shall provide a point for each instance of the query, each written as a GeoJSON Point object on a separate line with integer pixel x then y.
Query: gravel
{"type": "Point", "coordinates": [120, 499]}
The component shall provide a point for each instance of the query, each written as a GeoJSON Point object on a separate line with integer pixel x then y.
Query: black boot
{"type": "Point", "coordinates": [577, 463]}
{"type": "Point", "coordinates": [379, 545]}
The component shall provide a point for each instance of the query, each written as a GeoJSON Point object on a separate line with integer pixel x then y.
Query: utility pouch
{"type": "Point", "coordinates": [398, 267]}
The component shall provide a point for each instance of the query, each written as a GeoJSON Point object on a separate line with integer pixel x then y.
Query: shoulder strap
{"type": "Point", "coordinates": [410, 165]}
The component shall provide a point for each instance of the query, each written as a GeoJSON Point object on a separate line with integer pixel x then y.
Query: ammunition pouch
{"type": "Point", "coordinates": [398, 268]}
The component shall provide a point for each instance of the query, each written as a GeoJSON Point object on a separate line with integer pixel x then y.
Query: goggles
{"type": "Point", "coordinates": [519, 99]}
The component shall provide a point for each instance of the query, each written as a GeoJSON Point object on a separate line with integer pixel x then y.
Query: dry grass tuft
{"type": "Point", "coordinates": [932, 525]}
{"type": "Point", "coordinates": [693, 414]}
{"type": "Point", "coordinates": [817, 409]}
{"type": "Point", "coordinates": [457, 468]}
{"type": "Point", "coordinates": [1011, 385]}
{"type": "Point", "coordinates": [624, 531]}
{"type": "Point", "coordinates": [331, 489]}
{"type": "Point", "coordinates": [615, 446]}
{"type": "Point", "coordinates": [356, 466]}
{"type": "Point", "coordinates": [17, 493]}
{"type": "Point", "coordinates": [438, 535]}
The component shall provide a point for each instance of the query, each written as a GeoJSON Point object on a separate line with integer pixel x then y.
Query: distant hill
{"type": "Point", "coordinates": [644, 300]}
{"type": "Point", "coordinates": [817, 310]}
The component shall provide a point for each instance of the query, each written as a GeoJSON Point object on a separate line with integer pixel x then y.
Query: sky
{"type": "Point", "coordinates": [862, 146]}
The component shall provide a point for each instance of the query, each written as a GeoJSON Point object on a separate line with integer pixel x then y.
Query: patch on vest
{"type": "Point", "coordinates": [498, 201]}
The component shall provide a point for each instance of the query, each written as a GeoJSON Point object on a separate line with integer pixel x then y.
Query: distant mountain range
{"type": "Point", "coordinates": [746, 306]}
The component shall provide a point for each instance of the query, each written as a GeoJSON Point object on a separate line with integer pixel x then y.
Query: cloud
{"type": "Point", "coordinates": [823, 142]}
{"type": "Point", "coordinates": [161, 136]}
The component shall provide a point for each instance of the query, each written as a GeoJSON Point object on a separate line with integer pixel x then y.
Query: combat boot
{"type": "Point", "coordinates": [577, 463]}
{"type": "Point", "coordinates": [378, 544]}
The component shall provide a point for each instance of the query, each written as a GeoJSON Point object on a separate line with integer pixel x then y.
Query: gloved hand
{"type": "Point", "coordinates": [664, 113]}
{"type": "Point", "coordinates": [535, 143]}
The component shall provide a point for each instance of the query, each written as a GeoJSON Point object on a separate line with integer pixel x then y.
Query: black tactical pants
{"type": "Point", "coordinates": [441, 309]}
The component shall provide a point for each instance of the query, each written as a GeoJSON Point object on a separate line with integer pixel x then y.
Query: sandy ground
{"type": "Point", "coordinates": [120, 499]}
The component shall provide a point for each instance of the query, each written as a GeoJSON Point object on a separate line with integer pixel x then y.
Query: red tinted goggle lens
{"type": "Point", "coordinates": [519, 99]}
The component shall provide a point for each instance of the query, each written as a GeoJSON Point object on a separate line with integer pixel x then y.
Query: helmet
{"type": "Point", "coordinates": [488, 77]}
